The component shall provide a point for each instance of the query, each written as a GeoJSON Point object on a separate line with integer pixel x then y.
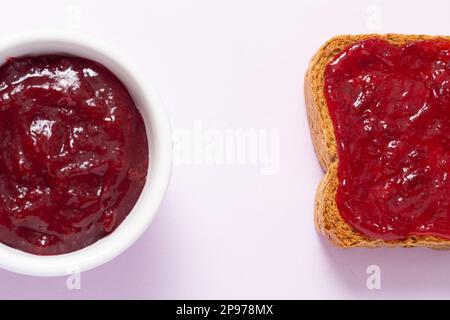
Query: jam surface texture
{"type": "Point", "coordinates": [390, 107]}
{"type": "Point", "coordinates": [73, 153]}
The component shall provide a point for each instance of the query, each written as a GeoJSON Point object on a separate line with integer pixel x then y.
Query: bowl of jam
{"type": "Point", "coordinates": [85, 153]}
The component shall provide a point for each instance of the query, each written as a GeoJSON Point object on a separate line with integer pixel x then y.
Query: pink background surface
{"type": "Point", "coordinates": [227, 231]}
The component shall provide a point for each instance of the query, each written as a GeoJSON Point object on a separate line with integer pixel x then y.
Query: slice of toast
{"type": "Point", "coordinates": [328, 219]}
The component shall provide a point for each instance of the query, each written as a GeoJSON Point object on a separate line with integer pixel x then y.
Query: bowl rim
{"type": "Point", "coordinates": [160, 144]}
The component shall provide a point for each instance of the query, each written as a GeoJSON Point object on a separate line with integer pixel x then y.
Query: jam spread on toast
{"type": "Point", "coordinates": [73, 153]}
{"type": "Point", "coordinates": [390, 108]}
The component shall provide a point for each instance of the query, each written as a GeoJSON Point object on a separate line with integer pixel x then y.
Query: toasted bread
{"type": "Point", "coordinates": [328, 219]}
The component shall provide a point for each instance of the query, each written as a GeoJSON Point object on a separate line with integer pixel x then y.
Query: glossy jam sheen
{"type": "Point", "coordinates": [390, 107]}
{"type": "Point", "coordinates": [73, 153]}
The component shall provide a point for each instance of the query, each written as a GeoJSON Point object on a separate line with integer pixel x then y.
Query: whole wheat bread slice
{"type": "Point", "coordinates": [328, 220]}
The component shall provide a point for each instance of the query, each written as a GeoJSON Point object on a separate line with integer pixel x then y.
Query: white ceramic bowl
{"type": "Point", "coordinates": [160, 144]}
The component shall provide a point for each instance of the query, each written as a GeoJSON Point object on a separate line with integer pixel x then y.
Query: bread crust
{"type": "Point", "coordinates": [327, 217]}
